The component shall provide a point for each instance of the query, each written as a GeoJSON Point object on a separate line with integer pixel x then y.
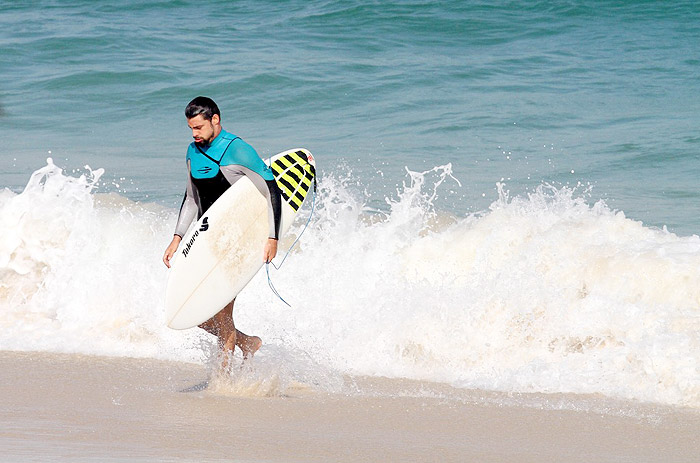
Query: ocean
{"type": "Point", "coordinates": [507, 195]}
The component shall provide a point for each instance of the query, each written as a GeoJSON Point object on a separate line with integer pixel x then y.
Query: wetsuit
{"type": "Point", "coordinates": [213, 169]}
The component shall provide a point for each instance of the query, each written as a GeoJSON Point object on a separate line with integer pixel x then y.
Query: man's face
{"type": "Point", "coordinates": [203, 131]}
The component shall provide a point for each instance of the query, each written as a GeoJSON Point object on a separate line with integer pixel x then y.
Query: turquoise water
{"type": "Point", "coordinates": [604, 93]}
{"type": "Point", "coordinates": [494, 183]}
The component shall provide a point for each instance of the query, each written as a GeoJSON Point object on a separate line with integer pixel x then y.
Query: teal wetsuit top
{"type": "Point", "coordinates": [214, 168]}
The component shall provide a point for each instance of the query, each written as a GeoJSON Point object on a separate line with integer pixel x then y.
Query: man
{"type": "Point", "coordinates": [216, 159]}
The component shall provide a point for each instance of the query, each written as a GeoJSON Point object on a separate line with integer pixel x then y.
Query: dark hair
{"type": "Point", "coordinates": [202, 105]}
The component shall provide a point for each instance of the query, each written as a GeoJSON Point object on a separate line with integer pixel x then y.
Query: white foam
{"type": "Point", "coordinates": [541, 293]}
{"type": "Point", "coordinates": [79, 270]}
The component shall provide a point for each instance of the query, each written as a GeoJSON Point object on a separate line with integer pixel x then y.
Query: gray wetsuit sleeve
{"type": "Point", "coordinates": [188, 209]}
{"type": "Point", "coordinates": [268, 188]}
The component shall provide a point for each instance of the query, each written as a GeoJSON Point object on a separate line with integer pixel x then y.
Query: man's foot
{"type": "Point", "coordinates": [223, 360]}
{"type": "Point", "coordinates": [249, 345]}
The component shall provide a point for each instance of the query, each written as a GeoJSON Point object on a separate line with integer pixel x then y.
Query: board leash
{"type": "Point", "coordinates": [277, 267]}
{"type": "Point", "coordinates": [272, 287]}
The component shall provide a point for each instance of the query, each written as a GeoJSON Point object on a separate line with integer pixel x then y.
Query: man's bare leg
{"type": "Point", "coordinates": [221, 325]}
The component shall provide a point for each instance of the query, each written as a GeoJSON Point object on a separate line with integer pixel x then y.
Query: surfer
{"type": "Point", "coordinates": [216, 159]}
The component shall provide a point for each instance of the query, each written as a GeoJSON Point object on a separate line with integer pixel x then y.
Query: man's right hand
{"type": "Point", "coordinates": [171, 250]}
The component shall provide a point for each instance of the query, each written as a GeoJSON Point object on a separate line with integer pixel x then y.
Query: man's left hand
{"type": "Point", "coordinates": [270, 250]}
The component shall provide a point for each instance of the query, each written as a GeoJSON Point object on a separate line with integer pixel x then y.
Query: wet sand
{"type": "Point", "coordinates": [69, 408]}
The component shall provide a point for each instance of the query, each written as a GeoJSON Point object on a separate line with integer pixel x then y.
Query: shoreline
{"type": "Point", "coordinates": [63, 407]}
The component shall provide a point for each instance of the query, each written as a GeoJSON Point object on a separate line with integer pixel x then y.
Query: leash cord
{"type": "Point", "coordinates": [277, 267]}
{"type": "Point", "coordinates": [272, 287]}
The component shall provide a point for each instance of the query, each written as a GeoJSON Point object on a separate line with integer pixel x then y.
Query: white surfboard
{"type": "Point", "coordinates": [223, 251]}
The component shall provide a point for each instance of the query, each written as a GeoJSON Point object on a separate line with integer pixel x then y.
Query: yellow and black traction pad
{"type": "Point", "coordinates": [294, 175]}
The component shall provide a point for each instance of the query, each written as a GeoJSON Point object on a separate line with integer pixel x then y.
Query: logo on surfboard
{"type": "Point", "coordinates": [189, 244]}
{"type": "Point", "coordinates": [204, 227]}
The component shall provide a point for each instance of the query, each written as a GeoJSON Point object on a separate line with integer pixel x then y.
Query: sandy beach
{"type": "Point", "coordinates": [80, 408]}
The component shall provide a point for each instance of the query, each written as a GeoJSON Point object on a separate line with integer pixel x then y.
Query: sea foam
{"type": "Point", "coordinates": [542, 292]}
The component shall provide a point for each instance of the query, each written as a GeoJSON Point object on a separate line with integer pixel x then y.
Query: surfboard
{"type": "Point", "coordinates": [223, 251]}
